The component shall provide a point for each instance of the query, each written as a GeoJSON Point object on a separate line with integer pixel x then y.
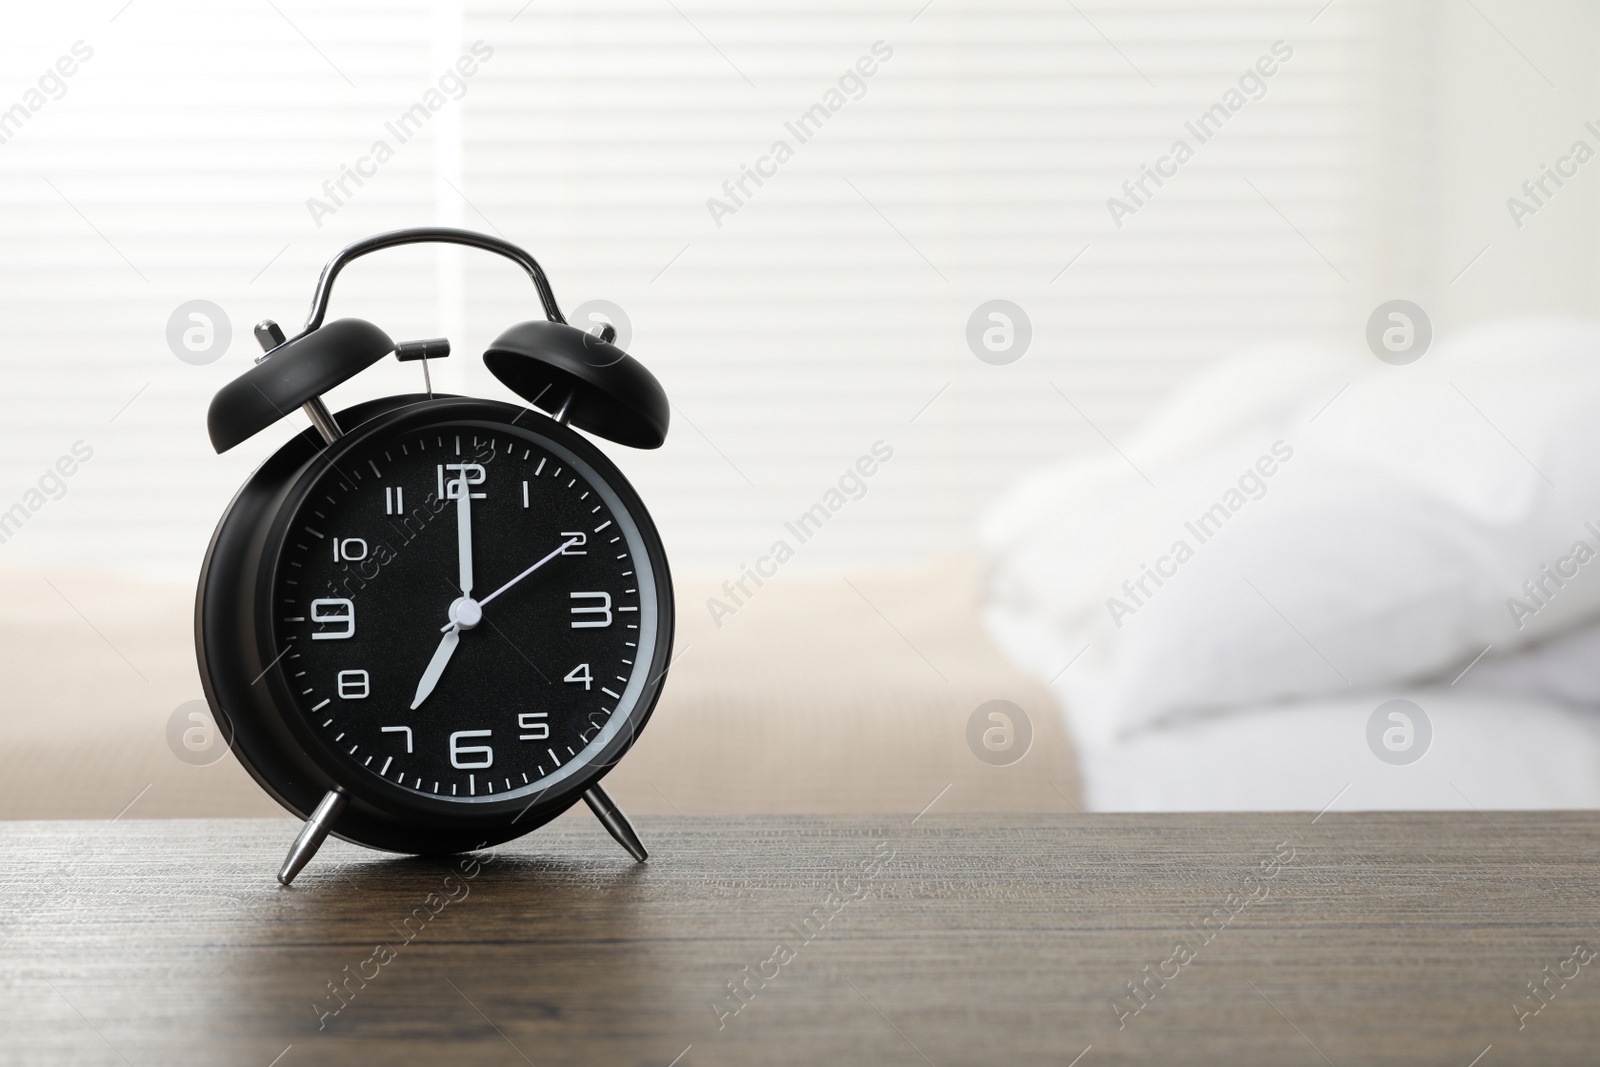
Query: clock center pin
{"type": "Point", "coordinates": [466, 612]}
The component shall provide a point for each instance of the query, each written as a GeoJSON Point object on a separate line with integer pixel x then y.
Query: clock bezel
{"type": "Point", "coordinates": [266, 727]}
{"type": "Point", "coordinates": [449, 420]}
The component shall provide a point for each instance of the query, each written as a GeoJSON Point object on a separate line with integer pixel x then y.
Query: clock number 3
{"type": "Point", "coordinates": [602, 609]}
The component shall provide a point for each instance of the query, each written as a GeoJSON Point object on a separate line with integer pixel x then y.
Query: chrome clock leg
{"type": "Point", "coordinates": [615, 822]}
{"type": "Point", "coordinates": [313, 834]}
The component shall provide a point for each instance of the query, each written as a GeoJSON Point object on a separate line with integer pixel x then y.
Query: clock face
{"type": "Point", "coordinates": [465, 611]}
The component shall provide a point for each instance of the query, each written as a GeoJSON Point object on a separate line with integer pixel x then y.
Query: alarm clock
{"type": "Point", "coordinates": [432, 623]}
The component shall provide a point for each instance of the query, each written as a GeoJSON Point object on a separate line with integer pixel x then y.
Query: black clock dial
{"type": "Point", "coordinates": [468, 648]}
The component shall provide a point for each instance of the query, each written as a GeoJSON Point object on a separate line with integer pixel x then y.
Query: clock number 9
{"type": "Point", "coordinates": [336, 611]}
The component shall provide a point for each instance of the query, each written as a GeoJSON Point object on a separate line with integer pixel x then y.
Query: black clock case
{"type": "Point", "coordinates": [277, 748]}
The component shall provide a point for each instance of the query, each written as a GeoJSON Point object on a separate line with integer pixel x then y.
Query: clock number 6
{"type": "Point", "coordinates": [470, 757]}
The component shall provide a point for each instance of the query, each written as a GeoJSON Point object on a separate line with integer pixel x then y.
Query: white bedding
{"type": "Point", "coordinates": [1488, 752]}
{"type": "Point", "coordinates": [1301, 534]}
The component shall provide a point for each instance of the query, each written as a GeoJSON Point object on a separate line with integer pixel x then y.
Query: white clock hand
{"type": "Point", "coordinates": [436, 665]}
{"type": "Point", "coordinates": [562, 547]}
{"type": "Point", "coordinates": [464, 532]}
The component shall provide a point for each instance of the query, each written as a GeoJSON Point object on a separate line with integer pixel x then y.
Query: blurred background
{"type": "Point", "coordinates": [1155, 337]}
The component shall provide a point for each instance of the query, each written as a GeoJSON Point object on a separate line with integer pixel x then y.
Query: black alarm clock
{"type": "Point", "coordinates": [430, 624]}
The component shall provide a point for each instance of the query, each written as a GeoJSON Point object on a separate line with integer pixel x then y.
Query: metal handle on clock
{"type": "Point", "coordinates": [429, 235]}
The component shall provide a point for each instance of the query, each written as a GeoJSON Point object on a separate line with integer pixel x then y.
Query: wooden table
{"type": "Point", "coordinates": [1354, 939]}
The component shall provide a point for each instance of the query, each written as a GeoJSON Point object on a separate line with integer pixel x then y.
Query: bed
{"type": "Point", "coordinates": [1232, 605]}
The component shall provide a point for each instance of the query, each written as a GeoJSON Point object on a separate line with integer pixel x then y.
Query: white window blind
{"type": "Point", "coordinates": [826, 312]}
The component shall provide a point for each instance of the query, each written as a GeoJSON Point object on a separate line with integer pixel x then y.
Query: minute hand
{"type": "Point", "coordinates": [464, 532]}
{"type": "Point", "coordinates": [562, 547]}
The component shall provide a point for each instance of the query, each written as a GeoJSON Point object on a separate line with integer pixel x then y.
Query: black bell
{"type": "Point", "coordinates": [582, 379]}
{"type": "Point", "coordinates": [294, 373]}
{"type": "Point", "coordinates": [553, 365]}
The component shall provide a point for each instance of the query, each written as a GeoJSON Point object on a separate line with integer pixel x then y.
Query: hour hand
{"type": "Point", "coordinates": [436, 665]}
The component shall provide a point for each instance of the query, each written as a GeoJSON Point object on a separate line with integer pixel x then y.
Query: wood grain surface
{"type": "Point", "coordinates": [961, 939]}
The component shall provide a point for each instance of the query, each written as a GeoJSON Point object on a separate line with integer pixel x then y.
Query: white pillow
{"type": "Point", "coordinates": [1562, 670]}
{"type": "Point", "coordinates": [1386, 544]}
